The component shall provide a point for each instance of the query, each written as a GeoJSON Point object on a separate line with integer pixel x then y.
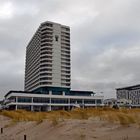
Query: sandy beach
{"type": "Point", "coordinates": [69, 129]}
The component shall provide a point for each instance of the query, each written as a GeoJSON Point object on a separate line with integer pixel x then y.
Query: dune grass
{"type": "Point", "coordinates": [121, 116]}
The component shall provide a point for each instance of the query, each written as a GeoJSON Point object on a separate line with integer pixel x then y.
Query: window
{"type": "Point", "coordinates": [40, 100]}
{"type": "Point", "coordinates": [59, 101]}
{"type": "Point", "coordinates": [56, 37]}
{"type": "Point", "coordinates": [46, 78]}
{"type": "Point", "coordinates": [24, 99]}
{"type": "Point", "coordinates": [76, 101]}
{"type": "Point", "coordinates": [89, 101]}
{"type": "Point", "coordinates": [98, 101]}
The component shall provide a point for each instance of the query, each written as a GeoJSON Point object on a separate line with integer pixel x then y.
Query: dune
{"type": "Point", "coordinates": [68, 128]}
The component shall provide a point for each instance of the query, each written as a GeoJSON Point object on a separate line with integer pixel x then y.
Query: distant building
{"type": "Point", "coordinates": [112, 102]}
{"type": "Point", "coordinates": [131, 93]}
{"type": "Point", "coordinates": [124, 103]}
{"type": "Point", "coordinates": [48, 74]}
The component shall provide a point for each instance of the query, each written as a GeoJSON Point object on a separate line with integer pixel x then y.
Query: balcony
{"type": "Point", "coordinates": [48, 57]}
{"type": "Point", "coordinates": [45, 70]}
{"type": "Point", "coordinates": [46, 44]}
{"type": "Point", "coordinates": [46, 61]}
{"type": "Point", "coordinates": [49, 53]}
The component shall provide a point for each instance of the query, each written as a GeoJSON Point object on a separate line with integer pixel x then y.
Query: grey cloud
{"type": "Point", "coordinates": [104, 40]}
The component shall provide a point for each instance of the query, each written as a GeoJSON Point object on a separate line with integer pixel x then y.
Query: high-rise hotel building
{"type": "Point", "coordinates": [48, 58]}
{"type": "Point", "coordinates": [48, 74]}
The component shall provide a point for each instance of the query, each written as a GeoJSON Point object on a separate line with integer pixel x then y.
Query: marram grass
{"type": "Point", "coordinates": [122, 116]}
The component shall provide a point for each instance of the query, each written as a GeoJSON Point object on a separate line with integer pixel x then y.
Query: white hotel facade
{"type": "Point", "coordinates": [48, 57]}
{"type": "Point", "coordinates": [48, 74]}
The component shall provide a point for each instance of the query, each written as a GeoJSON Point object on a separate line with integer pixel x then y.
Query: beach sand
{"type": "Point", "coordinates": [70, 129]}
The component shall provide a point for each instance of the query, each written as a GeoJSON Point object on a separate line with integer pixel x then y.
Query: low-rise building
{"type": "Point", "coordinates": [116, 103]}
{"type": "Point", "coordinates": [124, 103]}
{"type": "Point", "coordinates": [46, 102]}
{"type": "Point", "coordinates": [110, 102]}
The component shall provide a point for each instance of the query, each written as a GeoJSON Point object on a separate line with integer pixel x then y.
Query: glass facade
{"type": "Point", "coordinates": [88, 101]}
{"type": "Point", "coordinates": [55, 98]}
{"type": "Point", "coordinates": [41, 100]}
{"type": "Point", "coordinates": [24, 99]}
{"type": "Point", "coordinates": [26, 107]}
{"type": "Point", "coordinates": [76, 101]}
{"type": "Point", "coordinates": [59, 101]}
{"type": "Point", "coordinates": [54, 90]}
{"type": "Point", "coordinates": [81, 93]}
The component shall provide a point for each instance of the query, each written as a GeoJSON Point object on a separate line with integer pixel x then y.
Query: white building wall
{"type": "Point", "coordinates": [130, 93]}
{"type": "Point", "coordinates": [56, 64]}
{"type": "Point", "coordinates": [50, 104]}
{"type": "Point", "coordinates": [43, 48]}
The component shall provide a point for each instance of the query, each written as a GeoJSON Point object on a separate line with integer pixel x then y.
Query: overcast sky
{"type": "Point", "coordinates": [105, 41]}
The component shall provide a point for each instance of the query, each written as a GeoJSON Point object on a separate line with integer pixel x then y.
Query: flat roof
{"type": "Point", "coordinates": [24, 94]}
{"type": "Point", "coordinates": [129, 87]}
{"type": "Point", "coordinates": [51, 22]}
{"type": "Point", "coordinates": [72, 92]}
{"type": "Point", "coordinates": [19, 91]}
